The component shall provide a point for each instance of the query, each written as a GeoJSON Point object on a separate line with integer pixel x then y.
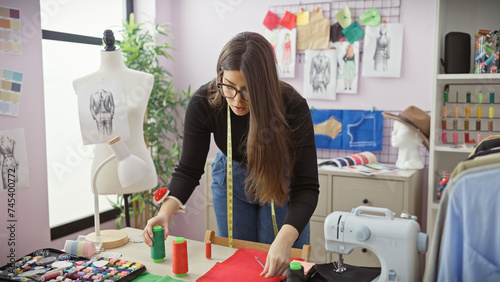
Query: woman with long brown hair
{"type": "Point", "coordinates": [271, 161]}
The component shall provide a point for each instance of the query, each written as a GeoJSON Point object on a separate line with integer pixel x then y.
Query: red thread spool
{"type": "Point", "coordinates": [179, 257]}
{"type": "Point", "coordinates": [208, 249]}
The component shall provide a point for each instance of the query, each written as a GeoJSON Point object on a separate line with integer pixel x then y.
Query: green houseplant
{"type": "Point", "coordinates": [164, 114]}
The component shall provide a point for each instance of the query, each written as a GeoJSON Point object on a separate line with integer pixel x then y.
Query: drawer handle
{"type": "Point", "coordinates": [365, 201]}
{"type": "Point", "coordinates": [364, 250]}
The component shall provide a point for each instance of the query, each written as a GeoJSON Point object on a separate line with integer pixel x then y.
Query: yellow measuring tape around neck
{"type": "Point", "coordinates": [230, 186]}
{"type": "Point", "coordinates": [229, 181]}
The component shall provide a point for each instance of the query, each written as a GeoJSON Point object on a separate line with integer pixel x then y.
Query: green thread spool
{"type": "Point", "coordinates": [295, 272]}
{"type": "Point", "coordinates": [446, 97]}
{"type": "Point", "coordinates": [480, 97]}
{"type": "Point", "coordinates": [158, 248]}
{"type": "Point", "coordinates": [492, 97]}
{"type": "Point", "coordinates": [468, 97]}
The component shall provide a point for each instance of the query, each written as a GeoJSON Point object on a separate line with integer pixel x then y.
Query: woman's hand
{"type": "Point", "coordinates": [279, 255]}
{"type": "Point", "coordinates": [168, 209]}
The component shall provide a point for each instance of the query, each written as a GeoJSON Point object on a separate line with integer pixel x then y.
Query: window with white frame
{"type": "Point", "coordinates": [70, 30]}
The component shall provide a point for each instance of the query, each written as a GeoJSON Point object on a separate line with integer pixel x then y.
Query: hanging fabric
{"type": "Point", "coordinates": [316, 34]}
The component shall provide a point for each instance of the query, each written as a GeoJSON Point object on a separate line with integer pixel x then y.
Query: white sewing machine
{"type": "Point", "coordinates": [397, 242]}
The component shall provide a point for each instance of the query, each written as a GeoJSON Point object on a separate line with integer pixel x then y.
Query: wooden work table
{"type": "Point", "coordinates": [198, 264]}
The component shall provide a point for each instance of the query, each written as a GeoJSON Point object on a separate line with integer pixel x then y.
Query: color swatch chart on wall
{"type": "Point", "coordinates": [10, 91]}
{"type": "Point", "coordinates": [10, 30]}
{"type": "Point", "coordinates": [469, 113]}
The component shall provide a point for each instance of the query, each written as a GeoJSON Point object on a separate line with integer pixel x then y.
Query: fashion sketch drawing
{"type": "Point", "coordinates": [285, 49]}
{"type": "Point", "coordinates": [102, 108]}
{"type": "Point", "coordinates": [320, 72]}
{"type": "Point", "coordinates": [103, 111]}
{"type": "Point", "coordinates": [8, 162]}
{"type": "Point", "coordinates": [320, 75]}
{"type": "Point", "coordinates": [383, 50]}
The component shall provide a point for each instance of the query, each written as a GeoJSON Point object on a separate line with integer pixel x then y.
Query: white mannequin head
{"type": "Point", "coordinates": [404, 137]}
{"type": "Point", "coordinates": [408, 142]}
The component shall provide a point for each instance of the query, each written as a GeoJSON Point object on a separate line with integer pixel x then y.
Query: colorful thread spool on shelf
{"type": "Point", "coordinates": [158, 248]}
{"type": "Point", "coordinates": [179, 257]}
{"type": "Point", "coordinates": [445, 138]}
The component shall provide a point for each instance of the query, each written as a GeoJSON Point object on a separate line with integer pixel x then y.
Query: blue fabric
{"type": "Point", "coordinates": [361, 130]}
{"type": "Point", "coordinates": [251, 221]}
{"type": "Point", "coordinates": [326, 141]}
{"type": "Point", "coordinates": [470, 248]}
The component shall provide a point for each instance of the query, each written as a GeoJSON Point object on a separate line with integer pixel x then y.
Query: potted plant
{"type": "Point", "coordinates": [164, 114]}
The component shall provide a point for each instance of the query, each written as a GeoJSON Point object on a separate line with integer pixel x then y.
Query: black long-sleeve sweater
{"type": "Point", "coordinates": [202, 120]}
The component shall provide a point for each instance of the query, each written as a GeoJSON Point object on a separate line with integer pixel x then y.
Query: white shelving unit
{"type": "Point", "coordinates": [462, 16]}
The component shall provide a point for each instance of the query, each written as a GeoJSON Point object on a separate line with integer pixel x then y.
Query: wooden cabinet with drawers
{"type": "Point", "coordinates": [342, 191]}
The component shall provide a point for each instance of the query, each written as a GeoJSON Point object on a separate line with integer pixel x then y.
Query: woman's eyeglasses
{"type": "Point", "coordinates": [228, 91]}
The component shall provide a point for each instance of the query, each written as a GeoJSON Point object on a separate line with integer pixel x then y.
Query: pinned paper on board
{"type": "Point", "coordinates": [320, 76]}
{"type": "Point", "coordinates": [102, 109]}
{"type": "Point", "coordinates": [13, 160]}
{"type": "Point", "coordinates": [383, 50]}
{"type": "Point", "coordinates": [288, 20]}
{"type": "Point", "coordinates": [285, 50]}
{"type": "Point", "coordinates": [370, 17]}
{"type": "Point", "coordinates": [10, 30]}
{"type": "Point", "coordinates": [271, 20]}
{"type": "Point", "coordinates": [353, 32]}
{"type": "Point", "coordinates": [344, 17]}
{"type": "Point", "coordinates": [10, 91]}
{"type": "Point", "coordinates": [348, 129]}
{"type": "Point", "coordinates": [303, 18]}
{"type": "Point", "coordinates": [272, 37]}
{"type": "Point", "coordinates": [347, 66]}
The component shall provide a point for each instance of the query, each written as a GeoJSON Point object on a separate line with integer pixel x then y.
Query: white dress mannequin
{"type": "Point", "coordinates": [137, 86]}
{"type": "Point", "coordinates": [408, 142]}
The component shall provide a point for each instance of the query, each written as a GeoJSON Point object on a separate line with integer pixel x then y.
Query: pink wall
{"type": "Point", "coordinates": [200, 32]}
{"type": "Point", "coordinates": [31, 209]}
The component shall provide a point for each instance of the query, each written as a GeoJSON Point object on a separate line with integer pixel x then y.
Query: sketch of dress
{"type": "Point", "coordinates": [102, 108]}
{"type": "Point", "coordinates": [349, 72]}
{"type": "Point", "coordinates": [287, 53]}
{"type": "Point", "coordinates": [8, 163]}
{"type": "Point", "coordinates": [382, 51]}
{"type": "Point", "coordinates": [320, 73]}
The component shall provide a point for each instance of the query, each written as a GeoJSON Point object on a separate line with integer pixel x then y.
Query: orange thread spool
{"type": "Point", "coordinates": [179, 257]}
{"type": "Point", "coordinates": [208, 249]}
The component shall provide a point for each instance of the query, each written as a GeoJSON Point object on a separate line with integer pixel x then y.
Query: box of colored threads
{"type": "Point", "coordinates": [54, 265]}
{"type": "Point", "coordinates": [469, 114]}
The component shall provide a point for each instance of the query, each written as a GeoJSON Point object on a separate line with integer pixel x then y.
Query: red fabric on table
{"type": "Point", "coordinates": [241, 266]}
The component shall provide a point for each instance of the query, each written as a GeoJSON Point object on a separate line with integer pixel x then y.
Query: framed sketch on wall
{"type": "Point", "coordinates": [383, 50]}
{"type": "Point", "coordinates": [320, 74]}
